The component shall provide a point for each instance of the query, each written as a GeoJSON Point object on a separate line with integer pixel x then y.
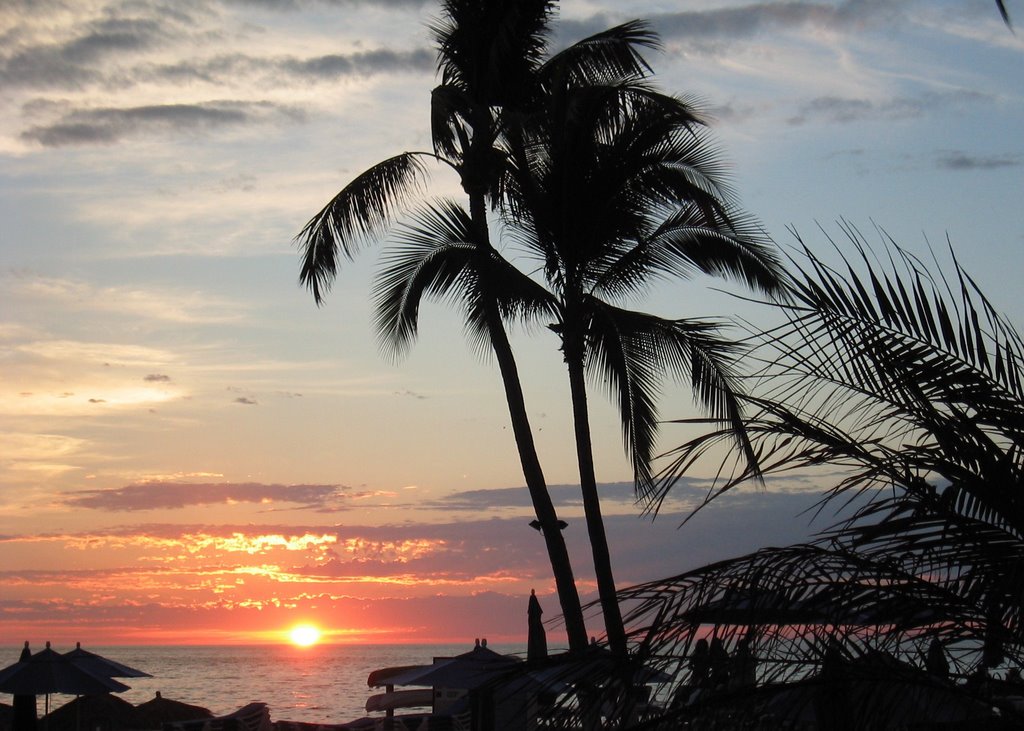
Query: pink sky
{"type": "Point", "coordinates": [156, 575]}
{"type": "Point", "coordinates": [192, 451]}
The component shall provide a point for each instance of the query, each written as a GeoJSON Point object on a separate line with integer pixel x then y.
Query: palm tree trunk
{"type": "Point", "coordinates": [568, 596]}
{"type": "Point", "coordinates": [613, 624]}
{"type": "Point", "coordinates": [558, 554]}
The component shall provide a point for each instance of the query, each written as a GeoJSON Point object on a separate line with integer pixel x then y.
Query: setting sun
{"type": "Point", "coordinates": [304, 635]}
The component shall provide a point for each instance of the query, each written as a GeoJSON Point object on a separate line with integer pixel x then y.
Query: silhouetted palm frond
{"type": "Point", "coordinates": [633, 352]}
{"type": "Point", "coordinates": [1004, 12]}
{"type": "Point", "coordinates": [616, 53]}
{"type": "Point", "coordinates": [363, 209]}
{"type": "Point", "coordinates": [433, 257]}
{"type": "Point", "coordinates": [909, 384]}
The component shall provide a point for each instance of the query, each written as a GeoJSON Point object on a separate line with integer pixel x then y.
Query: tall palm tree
{"type": "Point", "coordinates": [488, 55]}
{"type": "Point", "coordinates": [613, 185]}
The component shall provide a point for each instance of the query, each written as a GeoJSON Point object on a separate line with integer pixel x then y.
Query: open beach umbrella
{"type": "Point", "coordinates": [102, 666]}
{"type": "Point", "coordinates": [47, 671]}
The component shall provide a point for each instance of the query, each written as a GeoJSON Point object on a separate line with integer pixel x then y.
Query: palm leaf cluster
{"type": "Point", "coordinates": [907, 385]}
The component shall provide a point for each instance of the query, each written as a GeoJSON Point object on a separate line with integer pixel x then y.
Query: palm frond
{"type": "Point", "coordinates": [687, 242]}
{"type": "Point", "coordinates": [633, 352]}
{"type": "Point", "coordinates": [433, 256]}
{"type": "Point", "coordinates": [362, 210]}
{"type": "Point", "coordinates": [898, 378]}
{"type": "Point", "coordinates": [616, 53]}
{"type": "Point", "coordinates": [1004, 13]}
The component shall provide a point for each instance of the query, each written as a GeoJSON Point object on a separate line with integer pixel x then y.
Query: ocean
{"type": "Point", "coordinates": [318, 684]}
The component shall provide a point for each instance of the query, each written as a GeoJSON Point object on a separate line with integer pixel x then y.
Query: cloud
{"type": "Point", "coordinates": [959, 160]}
{"type": "Point", "coordinates": [70, 63]}
{"type": "Point", "coordinates": [110, 125]}
{"type": "Point", "coordinates": [227, 69]}
{"type": "Point", "coordinates": [363, 63]}
{"type": "Point", "coordinates": [173, 496]}
{"type": "Point", "coordinates": [519, 497]}
{"type": "Point", "coordinates": [303, 4]}
{"type": "Point", "coordinates": [117, 47]}
{"type": "Point", "coordinates": [154, 302]}
{"type": "Point", "coordinates": [845, 110]}
{"type": "Point", "coordinates": [745, 21]}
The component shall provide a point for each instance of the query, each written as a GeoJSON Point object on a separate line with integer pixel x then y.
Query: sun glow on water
{"type": "Point", "coordinates": [304, 635]}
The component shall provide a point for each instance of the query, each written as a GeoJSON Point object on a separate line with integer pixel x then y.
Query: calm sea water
{"type": "Point", "coordinates": [320, 684]}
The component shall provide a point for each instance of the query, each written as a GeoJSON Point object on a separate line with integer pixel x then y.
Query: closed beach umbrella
{"type": "Point", "coordinates": [536, 638]}
{"type": "Point", "coordinates": [102, 666]}
{"type": "Point", "coordinates": [24, 713]}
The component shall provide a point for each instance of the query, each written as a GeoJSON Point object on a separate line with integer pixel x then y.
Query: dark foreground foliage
{"type": "Point", "coordinates": [907, 613]}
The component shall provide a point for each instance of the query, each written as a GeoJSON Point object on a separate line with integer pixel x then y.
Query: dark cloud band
{"type": "Point", "coordinates": [106, 126]}
{"type": "Point", "coordinates": [176, 495]}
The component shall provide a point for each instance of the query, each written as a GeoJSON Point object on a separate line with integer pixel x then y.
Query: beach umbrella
{"type": "Point", "coordinates": [24, 712]}
{"type": "Point", "coordinates": [47, 671]}
{"type": "Point", "coordinates": [468, 671]}
{"type": "Point", "coordinates": [100, 666]}
{"type": "Point", "coordinates": [157, 711]}
{"type": "Point", "coordinates": [536, 638]}
{"type": "Point", "coordinates": [104, 711]}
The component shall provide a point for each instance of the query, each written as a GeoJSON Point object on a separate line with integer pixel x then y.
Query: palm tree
{"type": "Point", "coordinates": [489, 55]}
{"type": "Point", "coordinates": [613, 185]}
{"type": "Point", "coordinates": [911, 384]}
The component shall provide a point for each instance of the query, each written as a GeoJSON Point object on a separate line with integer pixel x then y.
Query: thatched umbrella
{"type": "Point", "coordinates": [105, 711]}
{"type": "Point", "coordinates": [157, 711]}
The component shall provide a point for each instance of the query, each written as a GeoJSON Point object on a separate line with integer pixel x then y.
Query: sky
{"type": "Point", "coordinates": [192, 451]}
